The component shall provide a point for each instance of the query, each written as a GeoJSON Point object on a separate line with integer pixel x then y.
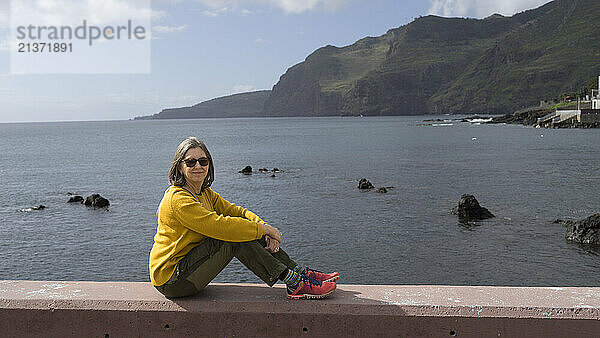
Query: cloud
{"type": "Point", "coordinates": [481, 8]}
{"type": "Point", "coordinates": [260, 40]}
{"type": "Point", "coordinates": [69, 12]}
{"type": "Point", "coordinates": [216, 12]}
{"type": "Point", "coordinates": [242, 89]}
{"type": "Point", "coordinates": [288, 6]}
{"type": "Point", "coordinates": [169, 29]}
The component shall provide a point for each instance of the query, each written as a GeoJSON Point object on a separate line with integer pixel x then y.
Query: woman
{"type": "Point", "coordinates": [199, 233]}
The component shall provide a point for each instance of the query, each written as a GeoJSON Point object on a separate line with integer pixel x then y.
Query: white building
{"type": "Point", "coordinates": [596, 98]}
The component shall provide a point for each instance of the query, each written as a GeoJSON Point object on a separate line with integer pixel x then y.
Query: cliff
{"type": "Point", "coordinates": [440, 65]}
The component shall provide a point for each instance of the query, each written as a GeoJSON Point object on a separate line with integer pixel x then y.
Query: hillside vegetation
{"type": "Point", "coordinates": [237, 105]}
{"type": "Point", "coordinates": [440, 65]}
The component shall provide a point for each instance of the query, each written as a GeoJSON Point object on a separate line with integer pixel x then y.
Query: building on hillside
{"type": "Point", "coordinates": [575, 118]}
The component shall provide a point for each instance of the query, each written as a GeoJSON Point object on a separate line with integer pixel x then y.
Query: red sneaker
{"type": "Point", "coordinates": [320, 276]}
{"type": "Point", "coordinates": [310, 288]}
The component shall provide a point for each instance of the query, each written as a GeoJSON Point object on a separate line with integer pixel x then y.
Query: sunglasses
{"type": "Point", "coordinates": [191, 162]}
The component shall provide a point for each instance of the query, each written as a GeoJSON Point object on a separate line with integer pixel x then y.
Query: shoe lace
{"type": "Point", "coordinates": [310, 281]}
{"type": "Point", "coordinates": [313, 270]}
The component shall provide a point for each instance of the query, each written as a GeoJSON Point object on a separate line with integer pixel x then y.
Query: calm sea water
{"type": "Point", "coordinates": [526, 176]}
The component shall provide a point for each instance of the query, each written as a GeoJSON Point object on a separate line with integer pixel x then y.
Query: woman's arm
{"type": "Point", "coordinates": [188, 212]}
{"type": "Point", "coordinates": [226, 208]}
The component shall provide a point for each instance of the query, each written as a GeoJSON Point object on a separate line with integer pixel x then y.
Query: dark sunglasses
{"type": "Point", "coordinates": [191, 162]}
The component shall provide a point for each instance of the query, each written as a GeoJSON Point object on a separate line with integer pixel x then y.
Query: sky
{"type": "Point", "coordinates": [196, 49]}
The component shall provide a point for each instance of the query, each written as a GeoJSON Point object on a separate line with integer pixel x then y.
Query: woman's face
{"type": "Point", "coordinates": [196, 174]}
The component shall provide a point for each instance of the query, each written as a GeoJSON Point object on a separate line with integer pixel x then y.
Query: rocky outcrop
{"type": "Point", "coordinates": [468, 209]}
{"type": "Point", "coordinates": [75, 199]}
{"type": "Point", "coordinates": [39, 207]}
{"type": "Point", "coordinates": [246, 171]}
{"type": "Point", "coordinates": [382, 190]}
{"type": "Point", "coordinates": [96, 201]}
{"type": "Point", "coordinates": [585, 231]}
{"type": "Point", "coordinates": [526, 116]}
{"type": "Point", "coordinates": [363, 183]}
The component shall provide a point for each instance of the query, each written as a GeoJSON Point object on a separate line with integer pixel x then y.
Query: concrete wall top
{"type": "Point", "coordinates": [403, 300]}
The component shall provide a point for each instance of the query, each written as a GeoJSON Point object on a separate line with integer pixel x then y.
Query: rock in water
{"type": "Point", "coordinates": [586, 231]}
{"type": "Point", "coordinates": [75, 199]}
{"type": "Point", "coordinates": [365, 184]}
{"type": "Point", "coordinates": [39, 207]}
{"type": "Point", "coordinates": [96, 201]}
{"type": "Point", "coordinates": [469, 209]}
{"type": "Point", "coordinates": [382, 190]}
{"type": "Point", "coordinates": [247, 170]}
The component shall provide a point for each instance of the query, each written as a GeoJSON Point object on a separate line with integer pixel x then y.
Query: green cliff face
{"type": "Point", "coordinates": [440, 65]}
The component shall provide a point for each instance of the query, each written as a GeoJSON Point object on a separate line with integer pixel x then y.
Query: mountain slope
{"type": "Point", "coordinates": [553, 52]}
{"type": "Point", "coordinates": [449, 65]}
{"type": "Point", "coordinates": [237, 105]}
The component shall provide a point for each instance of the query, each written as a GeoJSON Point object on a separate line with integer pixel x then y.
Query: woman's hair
{"type": "Point", "coordinates": [176, 177]}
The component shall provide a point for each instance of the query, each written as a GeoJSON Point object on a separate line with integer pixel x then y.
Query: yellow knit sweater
{"type": "Point", "coordinates": [183, 223]}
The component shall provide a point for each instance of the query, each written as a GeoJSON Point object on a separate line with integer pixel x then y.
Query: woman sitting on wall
{"type": "Point", "coordinates": [199, 233]}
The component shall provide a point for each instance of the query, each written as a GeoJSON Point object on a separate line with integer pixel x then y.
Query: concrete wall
{"type": "Point", "coordinates": [92, 309]}
{"type": "Point", "coordinates": [590, 115]}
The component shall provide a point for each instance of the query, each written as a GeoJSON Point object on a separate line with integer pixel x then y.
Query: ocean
{"type": "Point", "coordinates": [527, 177]}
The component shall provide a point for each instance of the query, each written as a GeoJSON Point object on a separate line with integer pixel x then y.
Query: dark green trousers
{"type": "Point", "coordinates": [204, 262]}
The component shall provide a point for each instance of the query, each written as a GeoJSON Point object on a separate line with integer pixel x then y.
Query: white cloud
{"type": "Point", "coordinates": [242, 89]}
{"type": "Point", "coordinates": [247, 12]}
{"type": "Point", "coordinates": [481, 8]}
{"type": "Point", "coordinates": [260, 40]}
{"type": "Point", "coordinates": [169, 29]}
{"type": "Point", "coordinates": [288, 6]}
{"type": "Point", "coordinates": [69, 12]}
{"type": "Point", "coordinates": [216, 12]}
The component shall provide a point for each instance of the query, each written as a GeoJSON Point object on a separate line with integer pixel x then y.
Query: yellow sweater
{"type": "Point", "coordinates": [183, 223]}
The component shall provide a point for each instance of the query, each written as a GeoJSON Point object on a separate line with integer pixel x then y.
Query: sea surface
{"type": "Point", "coordinates": [527, 177]}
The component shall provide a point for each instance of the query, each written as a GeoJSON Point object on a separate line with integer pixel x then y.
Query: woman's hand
{"type": "Point", "coordinates": [272, 245]}
{"type": "Point", "coordinates": [272, 232]}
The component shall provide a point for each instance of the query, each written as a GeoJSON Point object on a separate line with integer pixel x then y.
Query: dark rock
{"type": "Point", "coordinates": [382, 190]}
{"type": "Point", "coordinates": [273, 175]}
{"type": "Point", "coordinates": [365, 184]}
{"type": "Point", "coordinates": [69, 193]}
{"type": "Point", "coordinates": [586, 231]}
{"type": "Point", "coordinates": [247, 170]}
{"type": "Point", "coordinates": [276, 170]}
{"type": "Point", "coordinates": [39, 207]}
{"type": "Point", "coordinates": [564, 223]}
{"type": "Point", "coordinates": [263, 170]}
{"type": "Point", "coordinates": [75, 199]}
{"type": "Point", "coordinates": [469, 209]}
{"type": "Point", "coordinates": [96, 201]}
{"type": "Point", "coordinates": [527, 116]}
